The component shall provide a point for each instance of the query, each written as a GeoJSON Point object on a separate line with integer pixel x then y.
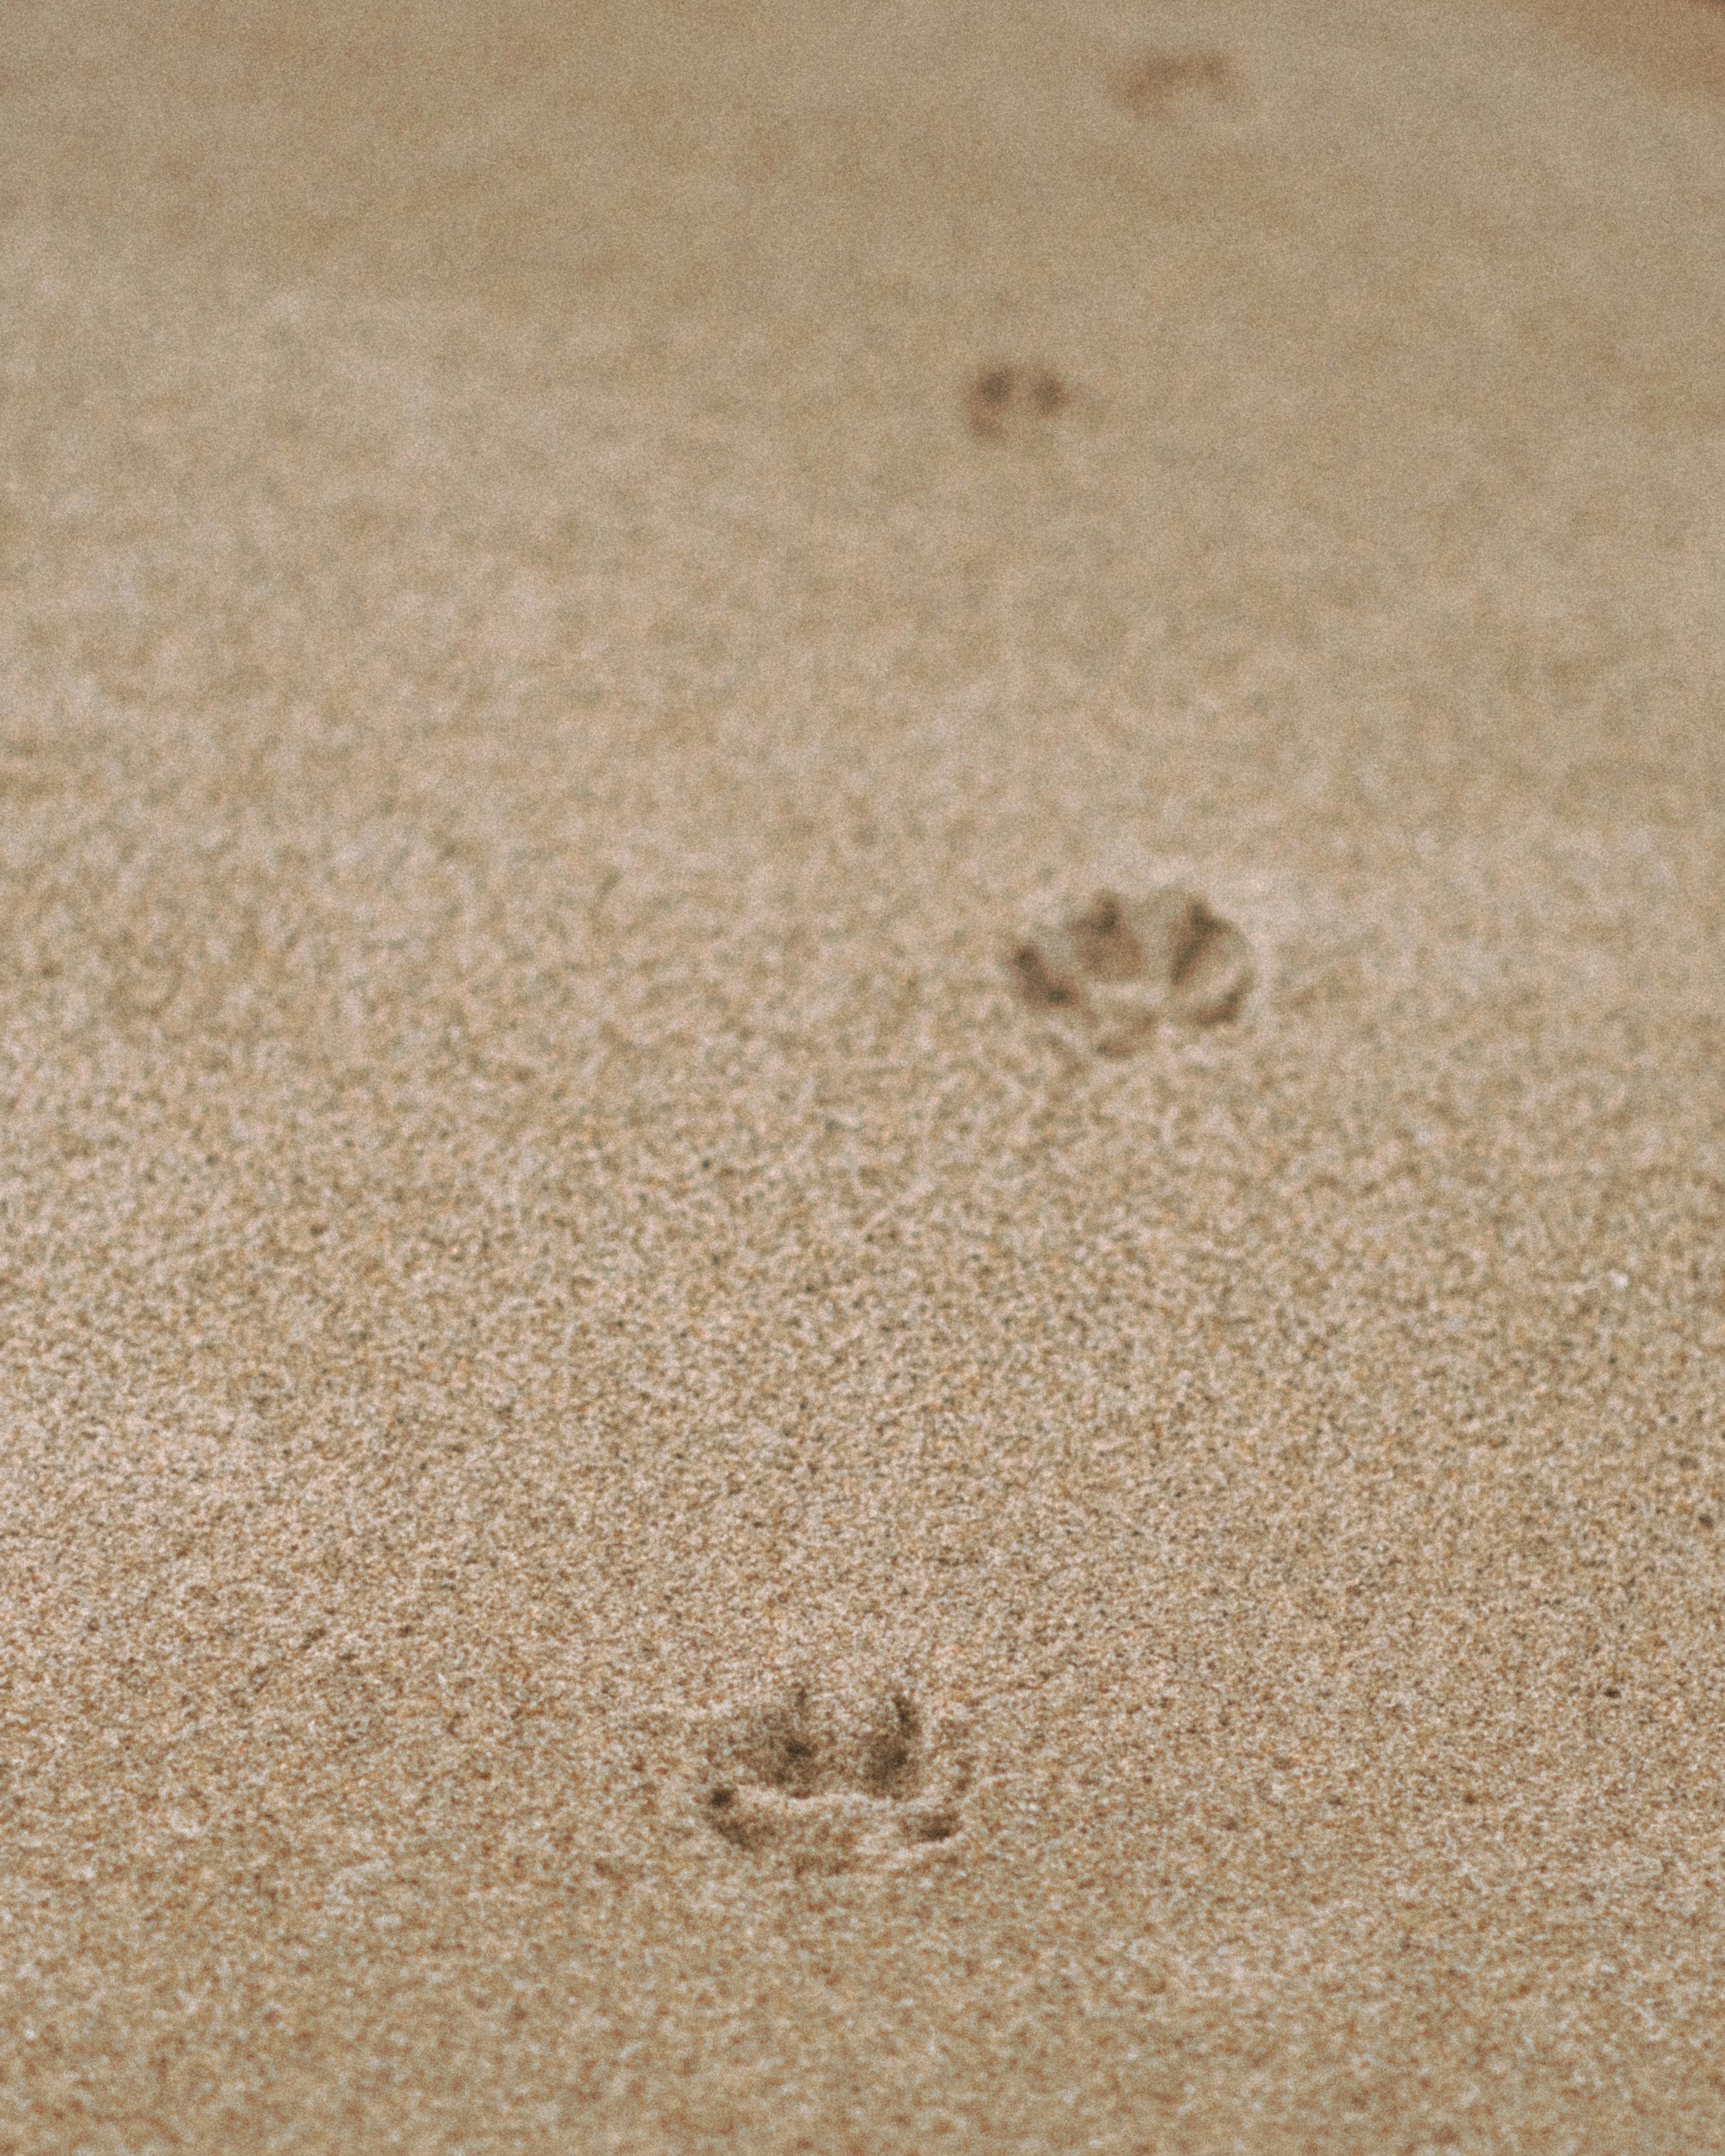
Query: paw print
{"type": "Point", "coordinates": [1109, 976]}
{"type": "Point", "coordinates": [825, 1786]}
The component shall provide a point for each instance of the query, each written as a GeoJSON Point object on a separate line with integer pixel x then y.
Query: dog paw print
{"type": "Point", "coordinates": [1109, 976]}
{"type": "Point", "coordinates": [1002, 399]}
{"type": "Point", "coordinates": [829, 1786]}
{"type": "Point", "coordinates": [1156, 83]}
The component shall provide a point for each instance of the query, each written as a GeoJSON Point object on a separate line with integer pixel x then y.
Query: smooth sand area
{"type": "Point", "coordinates": [862, 1077]}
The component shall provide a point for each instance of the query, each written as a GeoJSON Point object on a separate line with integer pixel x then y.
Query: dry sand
{"type": "Point", "coordinates": [642, 1512]}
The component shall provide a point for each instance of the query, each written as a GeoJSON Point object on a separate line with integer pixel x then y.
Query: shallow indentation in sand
{"type": "Point", "coordinates": [827, 1785]}
{"type": "Point", "coordinates": [1108, 975]}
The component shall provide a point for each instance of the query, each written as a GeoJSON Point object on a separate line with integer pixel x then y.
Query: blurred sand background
{"type": "Point", "coordinates": [636, 1517]}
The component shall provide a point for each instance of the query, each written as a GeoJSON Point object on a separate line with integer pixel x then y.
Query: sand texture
{"type": "Point", "coordinates": [862, 1077]}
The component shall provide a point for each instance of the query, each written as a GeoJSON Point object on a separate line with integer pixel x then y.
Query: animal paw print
{"type": "Point", "coordinates": [1107, 976]}
{"type": "Point", "coordinates": [816, 1786]}
{"type": "Point", "coordinates": [1001, 398]}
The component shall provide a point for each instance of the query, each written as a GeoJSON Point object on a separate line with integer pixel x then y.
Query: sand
{"type": "Point", "coordinates": [647, 1507]}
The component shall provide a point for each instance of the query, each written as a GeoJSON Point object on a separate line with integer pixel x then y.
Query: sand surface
{"type": "Point", "coordinates": [649, 1506]}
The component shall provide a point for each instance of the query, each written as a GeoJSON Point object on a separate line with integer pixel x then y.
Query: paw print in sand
{"type": "Point", "coordinates": [1108, 976]}
{"type": "Point", "coordinates": [820, 1785]}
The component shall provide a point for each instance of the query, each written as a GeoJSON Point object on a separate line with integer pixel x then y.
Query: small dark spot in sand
{"type": "Point", "coordinates": [1038, 985]}
{"type": "Point", "coordinates": [1106, 948]}
{"type": "Point", "coordinates": [891, 1764]}
{"type": "Point", "coordinates": [728, 1823]}
{"type": "Point", "coordinates": [1205, 966]}
{"type": "Point", "coordinates": [932, 1826]}
{"type": "Point", "coordinates": [1000, 396]}
{"type": "Point", "coordinates": [1153, 85]}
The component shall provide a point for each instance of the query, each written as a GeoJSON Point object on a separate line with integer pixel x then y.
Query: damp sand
{"type": "Point", "coordinates": [655, 1501]}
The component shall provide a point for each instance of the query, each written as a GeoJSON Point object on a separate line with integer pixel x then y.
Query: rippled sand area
{"type": "Point", "coordinates": [862, 1077]}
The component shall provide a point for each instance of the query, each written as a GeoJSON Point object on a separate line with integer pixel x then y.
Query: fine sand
{"type": "Point", "coordinates": [862, 1076]}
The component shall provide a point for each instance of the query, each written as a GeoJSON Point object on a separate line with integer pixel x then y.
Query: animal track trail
{"type": "Point", "coordinates": [820, 1785]}
{"type": "Point", "coordinates": [1107, 978]}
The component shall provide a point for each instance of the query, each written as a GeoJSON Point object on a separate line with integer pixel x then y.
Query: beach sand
{"type": "Point", "coordinates": [653, 1500]}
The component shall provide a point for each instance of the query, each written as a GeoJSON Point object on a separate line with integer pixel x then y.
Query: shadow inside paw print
{"type": "Point", "coordinates": [1108, 976]}
{"type": "Point", "coordinates": [820, 1787]}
